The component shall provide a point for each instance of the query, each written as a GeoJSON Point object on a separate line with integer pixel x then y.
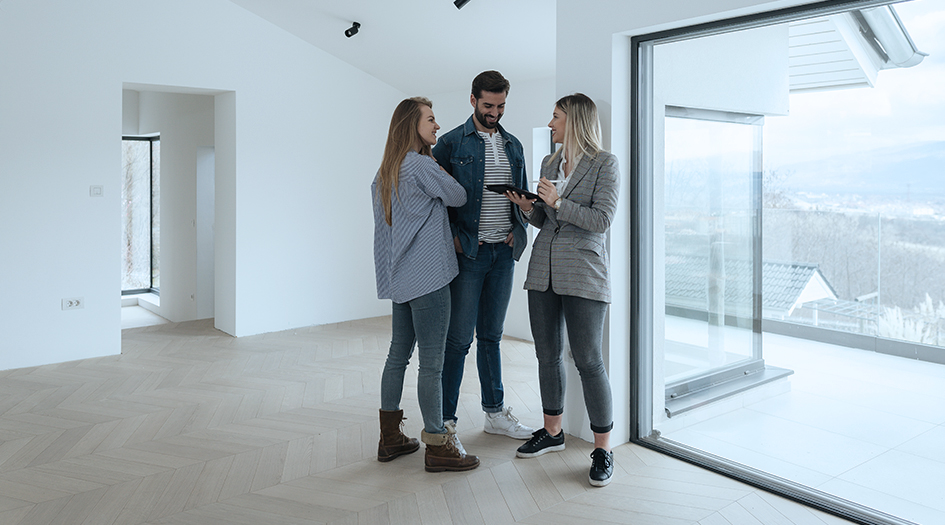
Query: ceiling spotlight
{"type": "Point", "coordinates": [353, 30]}
{"type": "Point", "coordinates": [460, 3]}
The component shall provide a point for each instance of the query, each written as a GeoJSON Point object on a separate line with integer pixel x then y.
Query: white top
{"type": "Point", "coordinates": [562, 182]}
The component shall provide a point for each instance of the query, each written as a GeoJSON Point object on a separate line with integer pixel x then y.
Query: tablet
{"type": "Point", "coordinates": [502, 188]}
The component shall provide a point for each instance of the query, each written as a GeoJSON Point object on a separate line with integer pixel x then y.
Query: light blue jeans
{"type": "Point", "coordinates": [423, 321]}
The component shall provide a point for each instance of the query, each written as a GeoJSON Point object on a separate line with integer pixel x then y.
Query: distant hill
{"type": "Point", "coordinates": [917, 169]}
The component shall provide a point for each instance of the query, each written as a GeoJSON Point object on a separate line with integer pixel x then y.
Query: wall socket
{"type": "Point", "coordinates": [73, 303]}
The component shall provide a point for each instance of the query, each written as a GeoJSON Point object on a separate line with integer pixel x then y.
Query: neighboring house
{"type": "Point", "coordinates": [785, 286]}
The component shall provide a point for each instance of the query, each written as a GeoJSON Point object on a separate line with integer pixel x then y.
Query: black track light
{"type": "Point", "coordinates": [460, 3]}
{"type": "Point", "coordinates": [353, 30]}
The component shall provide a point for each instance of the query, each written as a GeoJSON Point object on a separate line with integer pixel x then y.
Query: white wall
{"type": "Point", "coordinates": [224, 224]}
{"type": "Point", "coordinates": [529, 105]}
{"type": "Point", "coordinates": [745, 72]}
{"type": "Point", "coordinates": [206, 211]}
{"type": "Point", "coordinates": [129, 112]}
{"type": "Point", "coordinates": [592, 50]}
{"type": "Point", "coordinates": [303, 138]}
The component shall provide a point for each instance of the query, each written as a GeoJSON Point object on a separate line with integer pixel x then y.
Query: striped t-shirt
{"type": "Point", "coordinates": [495, 220]}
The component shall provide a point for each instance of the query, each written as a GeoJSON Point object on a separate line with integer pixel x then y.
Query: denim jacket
{"type": "Point", "coordinates": [462, 153]}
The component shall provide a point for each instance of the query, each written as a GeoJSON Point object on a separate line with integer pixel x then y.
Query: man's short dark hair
{"type": "Point", "coordinates": [491, 81]}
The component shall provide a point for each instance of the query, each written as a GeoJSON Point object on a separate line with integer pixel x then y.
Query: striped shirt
{"type": "Point", "coordinates": [415, 256]}
{"type": "Point", "coordinates": [495, 220]}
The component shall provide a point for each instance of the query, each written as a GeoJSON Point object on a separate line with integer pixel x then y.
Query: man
{"type": "Point", "coordinates": [489, 236]}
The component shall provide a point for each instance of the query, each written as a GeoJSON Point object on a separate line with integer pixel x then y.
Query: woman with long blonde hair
{"type": "Point", "coordinates": [414, 263]}
{"type": "Point", "coordinates": [568, 279]}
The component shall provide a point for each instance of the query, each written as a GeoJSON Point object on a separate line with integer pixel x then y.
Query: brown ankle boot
{"type": "Point", "coordinates": [443, 454]}
{"type": "Point", "coordinates": [394, 443]}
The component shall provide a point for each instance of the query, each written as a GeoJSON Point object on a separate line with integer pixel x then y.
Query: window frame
{"type": "Point", "coordinates": [151, 139]}
{"type": "Point", "coordinates": [642, 269]}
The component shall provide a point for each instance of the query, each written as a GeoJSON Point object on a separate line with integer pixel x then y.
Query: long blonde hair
{"type": "Point", "coordinates": [402, 138]}
{"type": "Point", "coordinates": [581, 128]}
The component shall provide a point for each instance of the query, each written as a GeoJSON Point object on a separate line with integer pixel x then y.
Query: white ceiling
{"type": "Point", "coordinates": [425, 47]}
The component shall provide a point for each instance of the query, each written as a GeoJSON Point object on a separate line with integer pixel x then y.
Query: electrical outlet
{"type": "Point", "coordinates": [73, 303]}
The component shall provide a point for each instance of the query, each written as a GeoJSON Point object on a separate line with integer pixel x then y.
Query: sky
{"type": "Point", "coordinates": [905, 107]}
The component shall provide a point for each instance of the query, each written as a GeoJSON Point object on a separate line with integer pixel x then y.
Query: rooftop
{"type": "Point", "coordinates": [784, 283]}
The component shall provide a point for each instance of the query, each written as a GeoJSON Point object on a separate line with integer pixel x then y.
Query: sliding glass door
{"type": "Point", "coordinates": [788, 253]}
{"type": "Point", "coordinates": [712, 261]}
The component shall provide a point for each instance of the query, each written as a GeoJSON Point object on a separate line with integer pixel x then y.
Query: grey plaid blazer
{"type": "Point", "coordinates": [570, 251]}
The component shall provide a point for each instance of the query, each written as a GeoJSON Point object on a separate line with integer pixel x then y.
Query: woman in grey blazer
{"type": "Point", "coordinates": [568, 279]}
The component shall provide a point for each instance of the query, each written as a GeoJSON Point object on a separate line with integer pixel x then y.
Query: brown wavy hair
{"type": "Point", "coordinates": [402, 138]}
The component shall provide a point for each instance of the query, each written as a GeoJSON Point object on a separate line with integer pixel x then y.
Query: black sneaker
{"type": "Point", "coordinates": [540, 443]}
{"type": "Point", "coordinates": [602, 467]}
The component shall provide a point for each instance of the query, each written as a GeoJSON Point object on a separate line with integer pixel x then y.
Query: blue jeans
{"type": "Point", "coordinates": [549, 313]}
{"type": "Point", "coordinates": [480, 299]}
{"type": "Point", "coordinates": [424, 321]}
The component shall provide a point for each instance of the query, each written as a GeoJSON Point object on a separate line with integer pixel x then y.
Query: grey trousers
{"type": "Point", "coordinates": [548, 313]}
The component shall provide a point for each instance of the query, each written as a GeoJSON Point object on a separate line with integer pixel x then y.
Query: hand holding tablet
{"type": "Point", "coordinates": [502, 188]}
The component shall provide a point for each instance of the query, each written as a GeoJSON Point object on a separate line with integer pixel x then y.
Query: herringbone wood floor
{"type": "Point", "coordinates": [190, 426]}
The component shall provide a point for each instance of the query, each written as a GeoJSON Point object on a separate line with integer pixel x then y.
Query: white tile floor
{"type": "Point", "coordinates": [864, 426]}
{"type": "Point", "coordinates": [136, 317]}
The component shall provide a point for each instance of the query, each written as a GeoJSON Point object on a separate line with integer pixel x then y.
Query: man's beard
{"type": "Point", "coordinates": [482, 120]}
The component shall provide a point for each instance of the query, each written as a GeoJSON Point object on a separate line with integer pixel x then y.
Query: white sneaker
{"type": "Point", "coordinates": [451, 430]}
{"type": "Point", "coordinates": [506, 424]}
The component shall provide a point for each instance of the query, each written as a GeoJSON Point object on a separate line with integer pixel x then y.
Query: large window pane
{"type": "Point", "coordinates": [136, 215]}
{"type": "Point", "coordinates": [709, 245]}
{"type": "Point", "coordinates": [832, 253]}
{"type": "Point", "coordinates": [155, 214]}
{"type": "Point", "coordinates": [140, 219]}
